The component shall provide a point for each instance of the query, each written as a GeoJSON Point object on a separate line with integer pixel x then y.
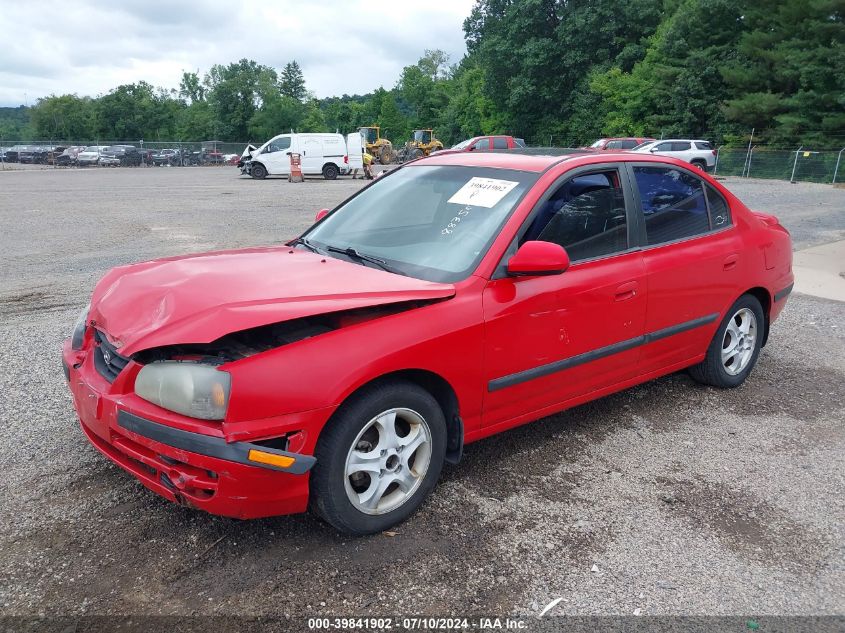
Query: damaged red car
{"type": "Point", "coordinates": [456, 297]}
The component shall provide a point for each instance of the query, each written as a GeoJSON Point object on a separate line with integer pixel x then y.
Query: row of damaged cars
{"type": "Point", "coordinates": [76, 155]}
{"type": "Point", "coordinates": [115, 156]}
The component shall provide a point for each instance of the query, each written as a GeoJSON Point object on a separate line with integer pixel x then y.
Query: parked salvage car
{"type": "Point", "coordinates": [167, 157]}
{"type": "Point", "coordinates": [696, 152]}
{"type": "Point", "coordinates": [487, 143]}
{"type": "Point", "coordinates": [69, 156]}
{"type": "Point", "coordinates": [120, 156]}
{"type": "Point", "coordinates": [454, 298]}
{"type": "Point", "coordinates": [618, 142]}
{"type": "Point", "coordinates": [90, 156]}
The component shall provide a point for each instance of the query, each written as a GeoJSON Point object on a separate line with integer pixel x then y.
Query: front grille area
{"type": "Point", "coordinates": [106, 359]}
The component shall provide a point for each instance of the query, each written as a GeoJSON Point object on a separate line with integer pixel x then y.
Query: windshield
{"type": "Point", "coordinates": [642, 145]}
{"type": "Point", "coordinates": [430, 222]}
{"type": "Point", "coordinates": [369, 134]}
{"type": "Point", "coordinates": [462, 144]}
{"type": "Point", "coordinates": [92, 148]}
{"type": "Point", "coordinates": [422, 136]}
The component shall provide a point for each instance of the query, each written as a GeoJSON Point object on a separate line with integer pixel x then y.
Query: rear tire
{"type": "Point", "coordinates": [735, 347]}
{"type": "Point", "coordinates": [700, 164]}
{"type": "Point", "coordinates": [362, 482]}
{"type": "Point", "coordinates": [330, 172]}
{"type": "Point", "coordinates": [258, 171]}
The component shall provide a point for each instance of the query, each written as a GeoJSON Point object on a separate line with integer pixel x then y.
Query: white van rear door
{"type": "Point", "coordinates": [355, 150]}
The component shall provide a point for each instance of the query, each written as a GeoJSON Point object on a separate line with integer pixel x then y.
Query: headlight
{"type": "Point", "coordinates": [192, 389]}
{"type": "Point", "coordinates": [78, 335]}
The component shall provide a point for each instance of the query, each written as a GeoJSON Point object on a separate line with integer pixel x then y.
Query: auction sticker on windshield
{"type": "Point", "coordinates": [483, 192]}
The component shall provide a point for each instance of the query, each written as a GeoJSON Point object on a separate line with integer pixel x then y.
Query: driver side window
{"type": "Point", "coordinates": [279, 145]}
{"type": "Point", "coordinates": [585, 215]}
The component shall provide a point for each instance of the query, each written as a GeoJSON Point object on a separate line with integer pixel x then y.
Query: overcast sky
{"type": "Point", "coordinates": [344, 46]}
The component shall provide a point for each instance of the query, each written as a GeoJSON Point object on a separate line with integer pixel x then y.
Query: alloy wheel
{"type": "Point", "coordinates": [739, 341]}
{"type": "Point", "coordinates": [388, 461]}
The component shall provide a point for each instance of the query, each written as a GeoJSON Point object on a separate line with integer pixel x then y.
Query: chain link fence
{"type": "Point", "coordinates": [796, 163]}
{"type": "Point", "coordinates": [111, 153]}
{"type": "Point", "coordinates": [755, 161]}
{"type": "Point", "coordinates": [799, 164]}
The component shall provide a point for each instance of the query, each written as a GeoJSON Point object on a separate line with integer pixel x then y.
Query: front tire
{"type": "Point", "coordinates": [735, 347]}
{"type": "Point", "coordinates": [258, 171]}
{"type": "Point", "coordinates": [378, 458]}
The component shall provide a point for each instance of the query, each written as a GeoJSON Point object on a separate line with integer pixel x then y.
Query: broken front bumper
{"type": "Point", "coordinates": [198, 469]}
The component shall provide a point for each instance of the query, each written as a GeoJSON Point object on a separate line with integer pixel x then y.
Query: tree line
{"type": "Point", "coordinates": [551, 71]}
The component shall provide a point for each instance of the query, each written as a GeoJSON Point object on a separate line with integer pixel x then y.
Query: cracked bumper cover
{"type": "Point", "coordinates": [196, 469]}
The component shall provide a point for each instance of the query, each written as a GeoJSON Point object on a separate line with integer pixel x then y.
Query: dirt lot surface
{"type": "Point", "coordinates": [670, 498]}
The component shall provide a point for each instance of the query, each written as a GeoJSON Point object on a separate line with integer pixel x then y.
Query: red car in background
{"type": "Point", "coordinates": [487, 143]}
{"type": "Point", "coordinates": [626, 142]}
{"type": "Point", "coordinates": [456, 297]}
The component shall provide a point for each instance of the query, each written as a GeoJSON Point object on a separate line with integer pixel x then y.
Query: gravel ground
{"type": "Point", "coordinates": [670, 498]}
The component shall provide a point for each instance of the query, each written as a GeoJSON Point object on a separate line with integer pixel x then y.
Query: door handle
{"type": "Point", "coordinates": [627, 290]}
{"type": "Point", "coordinates": [730, 262]}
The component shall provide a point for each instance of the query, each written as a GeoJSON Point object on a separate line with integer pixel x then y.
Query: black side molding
{"type": "Point", "coordinates": [208, 445]}
{"type": "Point", "coordinates": [783, 294]}
{"type": "Point", "coordinates": [601, 352]}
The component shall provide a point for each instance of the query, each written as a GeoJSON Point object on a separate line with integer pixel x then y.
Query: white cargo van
{"type": "Point", "coordinates": [320, 154]}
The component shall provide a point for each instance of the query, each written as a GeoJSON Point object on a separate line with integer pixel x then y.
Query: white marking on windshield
{"type": "Point", "coordinates": [482, 192]}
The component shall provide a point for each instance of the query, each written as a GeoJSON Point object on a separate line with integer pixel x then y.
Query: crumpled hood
{"type": "Point", "coordinates": [199, 298]}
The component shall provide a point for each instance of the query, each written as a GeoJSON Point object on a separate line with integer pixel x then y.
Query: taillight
{"type": "Point", "coordinates": [346, 159]}
{"type": "Point", "coordinates": [714, 152]}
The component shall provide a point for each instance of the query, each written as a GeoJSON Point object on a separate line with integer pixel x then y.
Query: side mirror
{"type": "Point", "coordinates": [538, 258]}
{"type": "Point", "coordinates": [321, 214]}
{"type": "Point", "coordinates": [471, 148]}
{"type": "Point", "coordinates": [653, 149]}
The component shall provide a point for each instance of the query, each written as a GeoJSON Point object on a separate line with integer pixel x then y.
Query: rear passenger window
{"type": "Point", "coordinates": [680, 147]}
{"type": "Point", "coordinates": [703, 145]}
{"type": "Point", "coordinates": [664, 147]}
{"type": "Point", "coordinates": [482, 144]}
{"type": "Point", "coordinates": [720, 213]}
{"type": "Point", "coordinates": [673, 203]}
{"type": "Point", "coordinates": [500, 143]}
{"type": "Point", "coordinates": [627, 144]}
{"type": "Point", "coordinates": [585, 215]}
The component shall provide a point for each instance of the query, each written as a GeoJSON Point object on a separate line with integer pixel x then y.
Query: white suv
{"type": "Point", "coordinates": [699, 153]}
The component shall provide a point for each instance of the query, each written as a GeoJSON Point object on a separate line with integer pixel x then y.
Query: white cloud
{"type": "Point", "coordinates": [344, 46]}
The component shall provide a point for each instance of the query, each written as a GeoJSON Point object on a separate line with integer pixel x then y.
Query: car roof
{"type": "Point", "coordinates": [540, 162]}
{"type": "Point", "coordinates": [500, 160]}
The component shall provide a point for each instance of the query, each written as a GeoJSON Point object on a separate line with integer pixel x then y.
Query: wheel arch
{"type": "Point", "coordinates": [329, 163]}
{"type": "Point", "coordinates": [441, 390]}
{"type": "Point", "coordinates": [765, 298]}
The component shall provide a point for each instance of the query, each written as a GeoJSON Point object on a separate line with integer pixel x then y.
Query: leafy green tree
{"type": "Point", "coordinates": [314, 120]}
{"type": "Point", "coordinates": [292, 82]}
{"type": "Point", "coordinates": [195, 122]}
{"type": "Point", "coordinates": [393, 124]}
{"type": "Point", "coordinates": [15, 124]}
{"type": "Point", "coordinates": [236, 92]}
{"type": "Point", "coordinates": [191, 87]}
{"type": "Point", "coordinates": [788, 80]}
{"type": "Point", "coordinates": [537, 55]}
{"type": "Point", "coordinates": [133, 112]}
{"type": "Point", "coordinates": [278, 115]}
{"type": "Point", "coordinates": [66, 117]}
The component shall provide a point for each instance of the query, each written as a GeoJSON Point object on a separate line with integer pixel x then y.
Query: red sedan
{"type": "Point", "coordinates": [456, 297]}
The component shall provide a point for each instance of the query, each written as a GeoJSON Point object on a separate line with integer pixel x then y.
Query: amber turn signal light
{"type": "Point", "coordinates": [282, 461]}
